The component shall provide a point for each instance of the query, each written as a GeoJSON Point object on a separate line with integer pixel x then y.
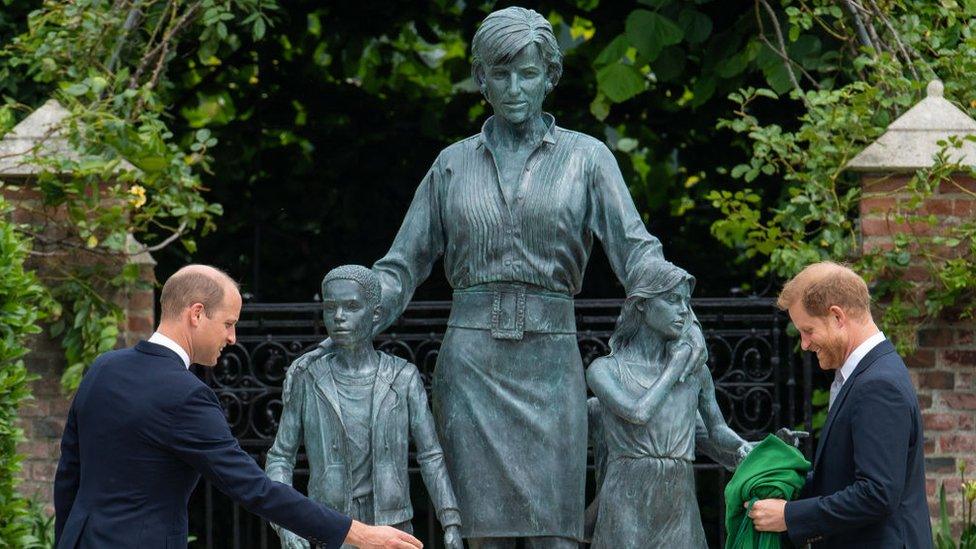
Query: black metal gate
{"type": "Point", "coordinates": [760, 382]}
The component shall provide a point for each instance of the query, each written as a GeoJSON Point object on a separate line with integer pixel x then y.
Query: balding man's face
{"type": "Point", "coordinates": [216, 329]}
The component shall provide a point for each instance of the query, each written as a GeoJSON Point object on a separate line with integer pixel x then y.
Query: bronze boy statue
{"type": "Point", "coordinates": [353, 409]}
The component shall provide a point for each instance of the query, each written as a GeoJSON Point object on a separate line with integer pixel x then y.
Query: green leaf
{"type": "Point", "coordinates": [599, 107]}
{"type": "Point", "coordinates": [76, 89]}
{"type": "Point", "coordinates": [703, 90]}
{"type": "Point", "coordinates": [620, 82]}
{"type": "Point", "coordinates": [670, 64]}
{"type": "Point", "coordinates": [626, 144]}
{"type": "Point", "coordinates": [613, 52]}
{"type": "Point", "coordinates": [97, 84]}
{"type": "Point", "coordinates": [150, 163]}
{"type": "Point", "coordinates": [733, 65]}
{"type": "Point", "coordinates": [650, 32]}
{"type": "Point", "coordinates": [259, 28]}
{"type": "Point", "coordinates": [695, 24]}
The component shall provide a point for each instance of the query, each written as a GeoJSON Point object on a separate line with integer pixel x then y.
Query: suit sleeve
{"type": "Point", "coordinates": [68, 475]}
{"type": "Point", "coordinates": [881, 431]}
{"type": "Point", "coordinates": [201, 438]}
{"type": "Point", "coordinates": [430, 456]}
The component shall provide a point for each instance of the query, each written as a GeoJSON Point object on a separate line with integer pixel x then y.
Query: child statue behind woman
{"type": "Point", "coordinates": [650, 393]}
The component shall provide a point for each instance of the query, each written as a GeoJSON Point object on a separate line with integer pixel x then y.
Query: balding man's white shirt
{"type": "Point", "coordinates": [160, 339]}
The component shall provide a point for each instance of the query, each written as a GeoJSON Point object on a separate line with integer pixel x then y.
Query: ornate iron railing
{"type": "Point", "coordinates": [761, 384]}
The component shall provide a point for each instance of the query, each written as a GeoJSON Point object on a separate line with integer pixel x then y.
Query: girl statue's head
{"type": "Point", "coordinates": [659, 297]}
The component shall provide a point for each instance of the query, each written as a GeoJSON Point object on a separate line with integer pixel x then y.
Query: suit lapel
{"type": "Point", "coordinates": [869, 359]}
{"type": "Point", "coordinates": [325, 385]}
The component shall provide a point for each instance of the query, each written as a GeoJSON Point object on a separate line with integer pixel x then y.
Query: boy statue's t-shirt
{"type": "Point", "coordinates": [356, 403]}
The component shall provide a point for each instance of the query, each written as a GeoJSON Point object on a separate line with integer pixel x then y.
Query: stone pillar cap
{"type": "Point", "coordinates": [39, 134]}
{"type": "Point", "coordinates": [912, 141]}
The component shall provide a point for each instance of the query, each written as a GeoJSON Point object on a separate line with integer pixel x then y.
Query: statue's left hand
{"type": "Point", "coordinates": [452, 537]}
{"type": "Point", "coordinates": [791, 437]}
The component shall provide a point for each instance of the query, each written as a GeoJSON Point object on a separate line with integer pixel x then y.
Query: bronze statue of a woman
{"type": "Point", "coordinates": [513, 211]}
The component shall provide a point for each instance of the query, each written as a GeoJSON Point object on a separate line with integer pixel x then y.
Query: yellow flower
{"type": "Point", "coordinates": [92, 241]}
{"type": "Point", "coordinates": [138, 193]}
{"type": "Point", "coordinates": [969, 489]}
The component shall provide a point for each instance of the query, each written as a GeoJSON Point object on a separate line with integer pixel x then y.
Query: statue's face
{"type": "Point", "coordinates": [667, 313]}
{"type": "Point", "coordinates": [347, 315]}
{"type": "Point", "coordinates": [516, 89]}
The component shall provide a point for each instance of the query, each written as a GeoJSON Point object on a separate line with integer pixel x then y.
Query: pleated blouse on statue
{"type": "Point", "coordinates": [571, 191]}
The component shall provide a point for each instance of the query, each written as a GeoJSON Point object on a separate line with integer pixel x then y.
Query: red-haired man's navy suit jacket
{"type": "Point", "coordinates": [867, 486]}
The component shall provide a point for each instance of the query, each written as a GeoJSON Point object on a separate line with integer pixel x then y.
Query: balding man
{"type": "Point", "coordinates": [142, 429]}
{"type": "Point", "coordinates": [867, 485]}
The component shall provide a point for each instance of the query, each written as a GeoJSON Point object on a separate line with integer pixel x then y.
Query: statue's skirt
{"type": "Point", "coordinates": [511, 417]}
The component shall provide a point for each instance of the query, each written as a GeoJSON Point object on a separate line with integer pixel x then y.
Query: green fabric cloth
{"type": "Point", "coordinates": [773, 469]}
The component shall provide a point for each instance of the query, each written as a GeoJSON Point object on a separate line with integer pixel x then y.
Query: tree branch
{"type": "Point", "coordinates": [162, 48]}
{"type": "Point", "coordinates": [787, 62]}
{"type": "Point", "coordinates": [897, 37]}
{"type": "Point", "coordinates": [862, 33]}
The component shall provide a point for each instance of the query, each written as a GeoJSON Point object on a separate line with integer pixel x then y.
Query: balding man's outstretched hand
{"type": "Point", "coordinates": [380, 537]}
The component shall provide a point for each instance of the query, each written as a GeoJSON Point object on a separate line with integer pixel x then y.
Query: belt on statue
{"type": "Point", "coordinates": [511, 310]}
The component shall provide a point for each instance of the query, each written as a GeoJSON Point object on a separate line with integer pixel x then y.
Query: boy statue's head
{"type": "Point", "coordinates": [351, 304]}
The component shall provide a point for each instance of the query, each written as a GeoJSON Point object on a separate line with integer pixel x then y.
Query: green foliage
{"type": "Point", "coordinates": [125, 172]}
{"type": "Point", "coordinates": [811, 215]}
{"type": "Point", "coordinates": [23, 303]}
{"type": "Point", "coordinates": [41, 526]}
{"type": "Point", "coordinates": [943, 531]}
{"type": "Point", "coordinates": [346, 105]}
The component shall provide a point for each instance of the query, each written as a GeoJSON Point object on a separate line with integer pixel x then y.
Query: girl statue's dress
{"type": "Point", "coordinates": [651, 390]}
{"type": "Point", "coordinates": [648, 494]}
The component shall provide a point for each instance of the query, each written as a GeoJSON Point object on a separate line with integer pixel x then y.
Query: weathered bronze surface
{"type": "Point", "coordinates": [355, 409]}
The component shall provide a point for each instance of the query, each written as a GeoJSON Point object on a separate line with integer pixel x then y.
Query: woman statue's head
{"type": "Point", "coordinates": [659, 297]}
{"type": "Point", "coordinates": [516, 62]}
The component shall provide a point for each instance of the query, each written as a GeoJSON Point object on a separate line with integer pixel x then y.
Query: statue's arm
{"type": "Point", "coordinates": [615, 398]}
{"type": "Point", "coordinates": [418, 244]}
{"type": "Point", "coordinates": [280, 462]}
{"type": "Point", "coordinates": [430, 456]}
{"type": "Point", "coordinates": [720, 434]}
{"type": "Point", "coordinates": [281, 458]}
{"type": "Point", "coordinates": [614, 219]}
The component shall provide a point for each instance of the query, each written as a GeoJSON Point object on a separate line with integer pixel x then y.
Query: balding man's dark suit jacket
{"type": "Point", "coordinates": [867, 486]}
{"type": "Point", "coordinates": [140, 432]}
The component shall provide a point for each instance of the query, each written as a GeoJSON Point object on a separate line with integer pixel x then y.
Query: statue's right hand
{"type": "Point", "coordinates": [681, 359]}
{"type": "Point", "coordinates": [380, 537]}
{"type": "Point", "coordinates": [291, 540]}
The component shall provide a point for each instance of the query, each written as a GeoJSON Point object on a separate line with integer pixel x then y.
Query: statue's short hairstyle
{"type": "Point", "coordinates": [504, 33]}
{"type": "Point", "coordinates": [822, 285]}
{"type": "Point", "coordinates": [367, 280]}
{"type": "Point", "coordinates": [194, 284]}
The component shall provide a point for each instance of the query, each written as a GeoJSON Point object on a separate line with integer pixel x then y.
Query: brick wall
{"type": "Point", "coordinates": [944, 366]}
{"type": "Point", "coordinates": [42, 418]}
